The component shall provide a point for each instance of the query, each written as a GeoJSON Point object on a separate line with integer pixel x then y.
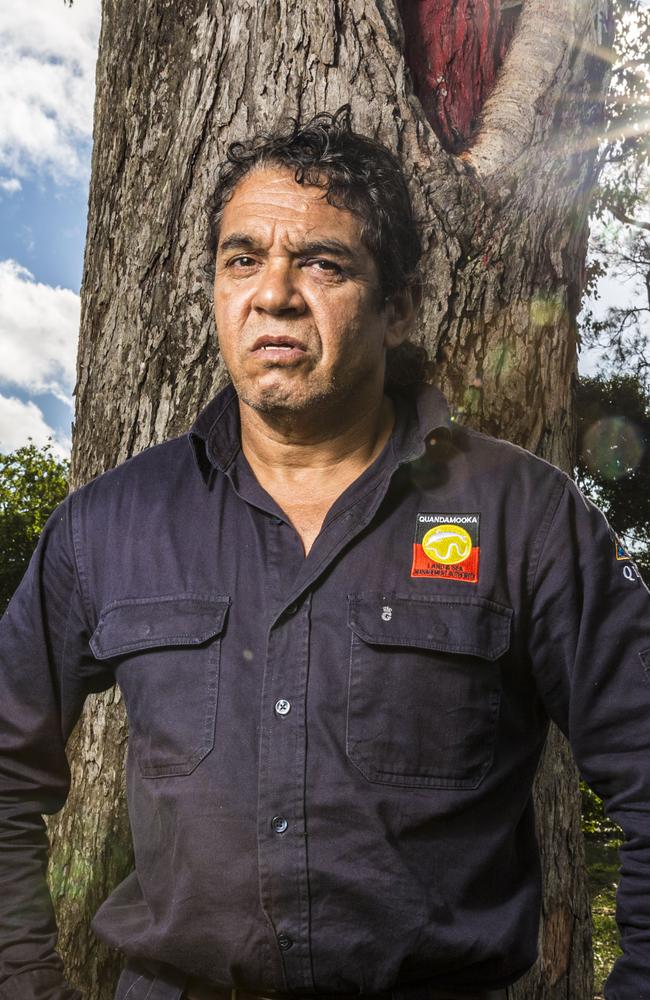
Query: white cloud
{"type": "Point", "coordinates": [20, 421]}
{"type": "Point", "coordinates": [47, 71]}
{"type": "Point", "coordinates": [39, 326]}
{"type": "Point", "coordinates": [10, 185]}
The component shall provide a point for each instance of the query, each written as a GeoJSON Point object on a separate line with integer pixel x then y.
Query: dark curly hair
{"type": "Point", "coordinates": [355, 172]}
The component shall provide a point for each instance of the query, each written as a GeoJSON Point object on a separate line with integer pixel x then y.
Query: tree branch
{"type": "Point", "coordinates": [619, 214]}
{"type": "Point", "coordinates": [547, 35]}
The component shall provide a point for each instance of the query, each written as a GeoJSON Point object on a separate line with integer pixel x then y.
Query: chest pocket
{"type": "Point", "coordinates": [166, 652]}
{"type": "Point", "coordinates": [424, 688]}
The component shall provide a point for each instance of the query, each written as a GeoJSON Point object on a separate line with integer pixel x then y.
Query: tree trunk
{"type": "Point", "coordinates": [505, 230]}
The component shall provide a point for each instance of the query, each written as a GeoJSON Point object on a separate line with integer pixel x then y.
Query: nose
{"type": "Point", "coordinates": [277, 291]}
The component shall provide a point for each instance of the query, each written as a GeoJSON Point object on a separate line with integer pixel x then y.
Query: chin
{"type": "Point", "coordinates": [276, 400]}
{"type": "Point", "coordinates": [273, 404]}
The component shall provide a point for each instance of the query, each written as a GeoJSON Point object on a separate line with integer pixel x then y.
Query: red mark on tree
{"type": "Point", "coordinates": [454, 49]}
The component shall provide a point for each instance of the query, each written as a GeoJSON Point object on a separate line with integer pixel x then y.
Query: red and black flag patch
{"type": "Point", "coordinates": [446, 547]}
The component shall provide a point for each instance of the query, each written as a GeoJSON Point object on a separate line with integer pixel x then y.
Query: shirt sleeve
{"type": "Point", "coordinates": [590, 646]}
{"type": "Point", "coordinates": [46, 670]}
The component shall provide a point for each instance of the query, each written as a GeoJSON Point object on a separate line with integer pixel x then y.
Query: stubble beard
{"type": "Point", "coordinates": [321, 401]}
{"type": "Point", "coordinates": [278, 402]}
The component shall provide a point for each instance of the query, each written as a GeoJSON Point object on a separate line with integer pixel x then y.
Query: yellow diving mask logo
{"type": "Point", "coordinates": [448, 544]}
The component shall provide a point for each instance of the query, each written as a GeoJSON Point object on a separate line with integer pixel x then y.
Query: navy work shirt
{"type": "Point", "coordinates": [330, 758]}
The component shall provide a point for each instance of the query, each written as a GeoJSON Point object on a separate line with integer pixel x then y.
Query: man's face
{"type": "Point", "coordinates": [298, 309]}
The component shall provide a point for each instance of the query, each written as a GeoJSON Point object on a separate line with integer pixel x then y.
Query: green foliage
{"type": "Point", "coordinates": [602, 840]}
{"type": "Point", "coordinates": [596, 824]}
{"type": "Point", "coordinates": [614, 456]}
{"type": "Point", "coordinates": [603, 868]}
{"type": "Point", "coordinates": [32, 482]}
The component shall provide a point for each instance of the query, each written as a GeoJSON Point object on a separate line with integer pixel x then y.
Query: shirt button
{"type": "Point", "coordinates": [279, 824]}
{"type": "Point", "coordinates": [282, 706]}
{"type": "Point", "coordinates": [291, 610]}
{"type": "Point", "coordinates": [277, 520]}
{"type": "Point", "coordinates": [284, 941]}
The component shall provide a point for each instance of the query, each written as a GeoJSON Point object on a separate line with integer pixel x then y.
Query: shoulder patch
{"type": "Point", "coordinates": [620, 551]}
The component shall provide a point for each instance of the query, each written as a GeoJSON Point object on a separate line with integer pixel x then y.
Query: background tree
{"type": "Point", "coordinates": [501, 165]}
{"type": "Point", "coordinates": [614, 470]}
{"type": "Point", "coordinates": [614, 456]}
{"type": "Point", "coordinates": [621, 334]}
{"type": "Point", "coordinates": [32, 482]}
{"type": "Point", "coordinates": [620, 246]}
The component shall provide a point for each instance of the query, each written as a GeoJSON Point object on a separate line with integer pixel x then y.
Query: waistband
{"type": "Point", "coordinates": [195, 989]}
{"type": "Point", "coordinates": [163, 982]}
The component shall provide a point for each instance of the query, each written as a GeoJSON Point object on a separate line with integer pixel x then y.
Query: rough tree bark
{"type": "Point", "coordinates": [505, 234]}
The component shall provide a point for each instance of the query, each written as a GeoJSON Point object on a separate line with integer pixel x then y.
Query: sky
{"type": "Point", "coordinates": [47, 67]}
{"type": "Point", "coordinates": [47, 71]}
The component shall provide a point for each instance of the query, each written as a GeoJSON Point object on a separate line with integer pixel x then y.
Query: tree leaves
{"type": "Point", "coordinates": [33, 481]}
{"type": "Point", "coordinates": [614, 456]}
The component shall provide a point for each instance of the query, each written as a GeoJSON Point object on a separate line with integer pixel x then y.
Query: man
{"type": "Point", "coordinates": [340, 625]}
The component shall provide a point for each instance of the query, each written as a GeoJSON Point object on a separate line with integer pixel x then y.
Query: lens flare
{"type": "Point", "coordinates": [546, 311]}
{"type": "Point", "coordinates": [499, 360]}
{"type": "Point", "coordinates": [612, 447]}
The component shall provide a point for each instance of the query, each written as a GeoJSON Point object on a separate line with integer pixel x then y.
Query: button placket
{"type": "Point", "coordinates": [281, 820]}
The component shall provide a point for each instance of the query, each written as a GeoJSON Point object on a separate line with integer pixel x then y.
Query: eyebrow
{"type": "Point", "coordinates": [238, 241]}
{"type": "Point", "coordinates": [312, 248]}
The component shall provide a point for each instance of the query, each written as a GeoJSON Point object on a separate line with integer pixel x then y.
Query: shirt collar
{"type": "Point", "coordinates": [215, 435]}
{"type": "Point", "coordinates": [428, 412]}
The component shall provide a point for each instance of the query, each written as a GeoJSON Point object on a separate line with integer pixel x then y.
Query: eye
{"type": "Point", "coordinates": [325, 266]}
{"type": "Point", "coordinates": [241, 262]}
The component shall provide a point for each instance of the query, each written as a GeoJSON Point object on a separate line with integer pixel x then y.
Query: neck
{"type": "Point", "coordinates": [306, 465]}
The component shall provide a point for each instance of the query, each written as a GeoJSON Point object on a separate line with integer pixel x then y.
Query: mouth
{"type": "Point", "coordinates": [278, 348]}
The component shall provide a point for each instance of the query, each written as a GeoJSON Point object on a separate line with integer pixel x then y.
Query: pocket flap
{"type": "Point", "coordinates": [125, 626]}
{"type": "Point", "coordinates": [471, 625]}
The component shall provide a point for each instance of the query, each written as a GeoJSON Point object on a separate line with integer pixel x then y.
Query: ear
{"type": "Point", "coordinates": [402, 308]}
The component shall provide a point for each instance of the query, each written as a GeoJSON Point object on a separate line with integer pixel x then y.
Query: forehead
{"type": "Point", "coordinates": [269, 200]}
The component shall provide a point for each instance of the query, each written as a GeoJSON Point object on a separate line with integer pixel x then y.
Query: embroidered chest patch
{"type": "Point", "coordinates": [446, 547]}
